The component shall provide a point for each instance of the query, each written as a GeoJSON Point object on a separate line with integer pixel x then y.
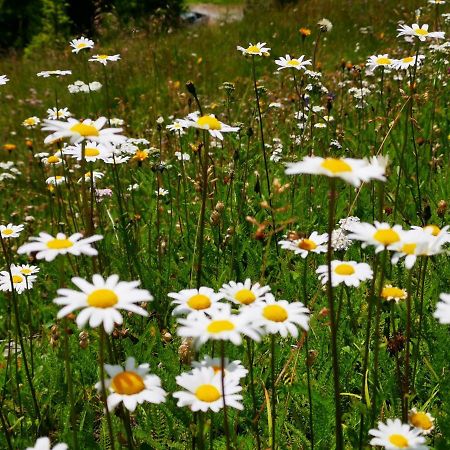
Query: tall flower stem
{"type": "Point", "coordinates": [225, 409]}
{"type": "Point", "coordinates": [84, 197]}
{"type": "Point", "coordinates": [405, 398]}
{"type": "Point", "coordinates": [252, 392]}
{"type": "Point", "coordinates": [274, 391]}
{"type": "Point", "coordinates": [333, 324]}
{"type": "Point", "coordinates": [103, 387]}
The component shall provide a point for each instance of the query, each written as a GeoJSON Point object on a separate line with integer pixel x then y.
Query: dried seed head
{"type": "Point", "coordinates": [185, 351]}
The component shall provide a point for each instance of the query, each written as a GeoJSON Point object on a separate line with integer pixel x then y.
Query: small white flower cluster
{"type": "Point", "coordinates": [9, 171]}
{"type": "Point", "coordinates": [276, 155]}
{"type": "Point", "coordinates": [81, 86]}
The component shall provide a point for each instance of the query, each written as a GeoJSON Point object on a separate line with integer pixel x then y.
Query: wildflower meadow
{"type": "Point", "coordinates": [230, 235]}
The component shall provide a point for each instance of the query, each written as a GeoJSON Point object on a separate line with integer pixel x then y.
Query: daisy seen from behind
{"type": "Point", "coordinates": [43, 443]}
{"type": "Point", "coordinates": [49, 247]}
{"type": "Point", "coordinates": [279, 316]}
{"type": "Point", "coordinates": [203, 390]}
{"type": "Point", "coordinates": [349, 272]}
{"type": "Point", "coordinates": [188, 300]}
{"type": "Point", "coordinates": [353, 171]}
{"type": "Point", "coordinates": [292, 63]}
{"type": "Point", "coordinates": [81, 44]}
{"type": "Point", "coordinates": [207, 122]}
{"type": "Point", "coordinates": [421, 32]}
{"type": "Point", "coordinates": [245, 293]}
{"type": "Point", "coordinates": [131, 385]}
{"type": "Point", "coordinates": [442, 313]}
{"type": "Point", "coordinates": [257, 49]}
{"type": "Point", "coordinates": [315, 243]}
{"type": "Point", "coordinates": [394, 434]}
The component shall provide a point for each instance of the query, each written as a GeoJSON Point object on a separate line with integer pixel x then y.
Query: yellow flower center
{"type": "Point", "coordinates": [245, 296]}
{"type": "Point", "coordinates": [344, 269]}
{"type": "Point", "coordinates": [127, 383]}
{"type": "Point", "coordinates": [199, 301]}
{"type": "Point", "coordinates": [207, 393]}
{"type": "Point", "coordinates": [53, 159]}
{"type": "Point", "coordinates": [102, 56]}
{"type": "Point", "coordinates": [8, 231]}
{"type": "Point", "coordinates": [409, 249]}
{"type": "Point", "coordinates": [408, 59]}
{"type": "Point", "coordinates": [387, 236]}
{"type": "Point", "coordinates": [393, 292]}
{"type": "Point", "coordinates": [307, 244]}
{"type": "Point", "coordinates": [216, 368]}
{"type": "Point", "coordinates": [26, 271]}
{"type": "Point", "coordinates": [90, 151]}
{"type": "Point", "coordinates": [84, 129]}
{"type": "Point", "coordinates": [384, 61]}
{"type": "Point", "coordinates": [30, 121]}
{"type": "Point", "coordinates": [398, 440]}
{"type": "Point", "coordinates": [334, 165]}
{"type": "Point", "coordinates": [140, 155]}
{"type": "Point", "coordinates": [81, 45]}
{"type": "Point", "coordinates": [293, 62]}
{"type": "Point", "coordinates": [421, 32]}
{"type": "Point", "coordinates": [253, 49]}
{"type": "Point", "coordinates": [275, 313]}
{"type": "Point", "coordinates": [102, 298]}
{"type": "Point", "coordinates": [211, 123]}
{"type": "Point", "coordinates": [58, 244]}
{"type": "Point", "coordinates": [17, 279]}
{"type": "Point", "coordinates": [421, 420]}
{"type": "Point", "coordinates": [434, 229]}
{"type": "Point", "coordinates": [219, 326]}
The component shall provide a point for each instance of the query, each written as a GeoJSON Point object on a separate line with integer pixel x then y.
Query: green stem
{"type": "Point", "coordinates": [225, 409]}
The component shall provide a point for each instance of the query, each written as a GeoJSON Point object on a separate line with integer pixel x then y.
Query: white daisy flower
{"type": "Point", "coordinates": [176, 127]}
{"type": "Point", "coordinates": [81, 44]}
{"type": "Point", "coordinates": [55, 180]}
{"type": "Point", "coordinates": [315, 243]}
{"type": "Point", "coordinates": [279, 316]}
{"type": "Point", "coordinates": [375, 61]}
{"type": "Point", "coordinates": [442, 312]}
{"type": "Point", "coordinates": [207, 122]}
{"type": "Point", "coordinates": [31, 122]}
{"type": "Point", "coordinates": [161, 192]}
{"type": "Point", "coordinates": [353, 171]}
{"type": "Point", "coordinates": [412, 243]}
{"type": "Point", "coordinates": [43, 443]}
{"type": "Point", "coordinates": [421, 420]}
{"type": "Point", "coordinates": [439, 234]}
{"type": "Point", "coordinates": [393, 435]}
{"type": "Point", "coordinates": [407, 62]}
{"type": "Point", "coordinates": [254, 49]}
{"type": "Point", "coordinates": [49, 247]}
{"type": "Point", "coordinates": [132, 385]}
{"type": "Point", "coordinates": [3, 79]}
{"type": "Point", "coordinates": [232, 369]}
{"type": "Point", "coordinates": [420, 32]}
{"type": "Point", "coordinates": [244, 293]}
{"type": "Point", "coordinates": [203, 390]}
{"type": "Point", "coordinates": [103, 59]}
{"type": "Point", "coordinates": [10, 230]}
{"type": "Point", "coordinates": [436, 2]}
{"type": "Point", "coordinates": [78, 131]}
{"type": "Point", "coordinates": [349, 272]}
{"type": "Point", "coordinates": [19, 281]}
{"type": "Point", "coordinates": [189, 300]}
{"type": "Point", "coordinates": [54, 73]}
{"type": "Point", "coordinates": [219, 324]}
{"type": "Point", "coordinates": [102, 300]}
{"type": "Point", "coordinates": [53, 160]}
{"type": "Point", "coordinates": [27, 270]}
{"type": "Point", "coordinates": [116, 122]}
{"type": "Point", "coordinates": [380, 235]}
{"type": "Point", "coordinates": [292, 63]}
{"type": "Point", "coordinates": [92, 151]}
{"type": "Point", "coordinates": [62, 113]}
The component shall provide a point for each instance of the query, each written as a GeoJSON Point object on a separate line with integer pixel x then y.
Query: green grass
{"type": "Point", "coordinates": [154, 239]}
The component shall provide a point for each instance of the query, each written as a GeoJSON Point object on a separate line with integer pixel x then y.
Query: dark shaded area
{"type": "Point", "coordinates": [23, 20]}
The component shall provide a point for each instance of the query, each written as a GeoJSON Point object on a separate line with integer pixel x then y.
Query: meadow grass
{"type": "Point", "coordinates": [222, 211]}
